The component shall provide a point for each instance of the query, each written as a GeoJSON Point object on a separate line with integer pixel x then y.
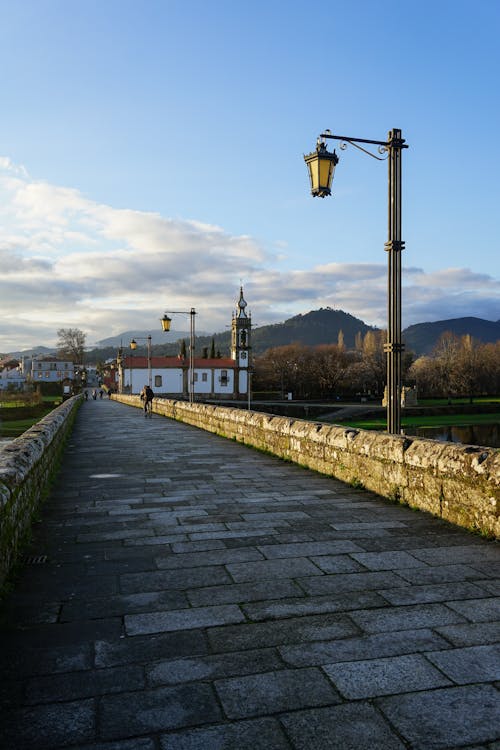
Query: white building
{"type": "Point", "coordinates": [213, 378]}
{"type": "Point", "coordinates": [11, 375]}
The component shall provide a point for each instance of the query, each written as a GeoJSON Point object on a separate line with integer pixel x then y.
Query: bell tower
{"type": "Point", "coordinates": [241, 329]}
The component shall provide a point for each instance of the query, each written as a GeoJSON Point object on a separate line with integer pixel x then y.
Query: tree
{"type": "Point", "coordinates": [71, 344]}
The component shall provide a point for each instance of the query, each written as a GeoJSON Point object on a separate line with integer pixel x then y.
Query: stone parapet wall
{"type": "Point", "coordinates": [460, 483]}
{"type": "Point", "coordinates": [27, 466]}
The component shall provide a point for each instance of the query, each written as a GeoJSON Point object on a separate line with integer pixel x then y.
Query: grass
{"type": "Point", "coordinates": [12, 428]}
{"type": "Point", "coordinates": [443, 420]}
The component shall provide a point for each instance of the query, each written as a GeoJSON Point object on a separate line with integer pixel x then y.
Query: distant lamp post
{"type": "Point", "coordinates": [119, 364]}
{"type": "Point", "coordinates": [133, 346]}
{"type": "Point", "coordinates": [321, 166]}
{"type": "Point", "coordinates": [165, 324]}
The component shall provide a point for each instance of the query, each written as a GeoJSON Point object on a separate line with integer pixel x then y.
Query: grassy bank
{"type": "Point", "coordinates": [441, 420]}
{"type": "Point", "coordinates": [17, 416]}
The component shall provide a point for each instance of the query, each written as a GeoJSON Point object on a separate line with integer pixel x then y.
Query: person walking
{"type": "Point", "coordinates": [147, 396]}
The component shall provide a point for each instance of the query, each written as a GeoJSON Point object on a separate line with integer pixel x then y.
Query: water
{"type": "Point", "coordinates": [474, 434]}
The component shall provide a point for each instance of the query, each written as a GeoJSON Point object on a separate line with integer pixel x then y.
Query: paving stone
{"type": "Point", "coordinates": [338, 584]}
{"type": "Point", "coordinates": [183, 619]}
{"type": "Point", "coordinates": [284, 690]}
{"type": "Point", "coordinates": [138, 743]}
{"type": "Point", "coordinates": [399, 618]}
{"type": "Point", "coordinates": [214, 667]}
{"type": "Point", "coordinates": [491, 587]}
{"type": "Point", "coordinates": [74, 685]}
{"type": "Point", "coordinates": [432, 593]}
{"type": "Point", "coordinates": [445, 718]}
{"type": "Point", "coordinates": [120, 605]}
{"type": "Point", "coordinates": [244, 592]}
{"type": "Point", "coordinates": [441, 574]}
{"type": "Point", "coordinates": [197, 546]}
{"type": "Point", "coordinates": [173, 579]}
{"type": "Point", "coordinates": [366, 647]}
{"type": "Point", "coordinates": [48, 726]}
{"type": "Point", "coordinates": [306, 549]}
{"type": "Point", "coordinates": [470, 634]}
{"type": "Point", "coordinates": [469, 665]}
{"type": "Point", "coordinates": [257, 734]}
{"type": "Point", "coordinates": [395, 674]}
{"type": "Point", "coordinates": [280, 632]}
{"type": "Point", "coordinates": [478, 610]}
{"type": "Point", "coordinates": [283, 568]}
{"type": "Point", "coordinates": [312, 605]}
{"type": "Point", "coordinates": [348, 727]}
{"type": "Point", "coordinates": [147, 648]}
{"type": "Point", "coordinates": [337, 564]}
{"type": "Point", "coordinates": [470, 553]}
{"type": "Point", "coordinates": [157, 710]}
{"type": "Point", "coordinates": [214, 557]}
{"type": "Point", "coordinates": [387, 560]}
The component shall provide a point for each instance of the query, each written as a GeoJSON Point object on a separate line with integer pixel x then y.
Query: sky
{"type": "Point", "coordinates": [151, 160]}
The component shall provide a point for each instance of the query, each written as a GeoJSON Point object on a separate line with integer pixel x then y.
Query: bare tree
{"type": "Point", "coordinates": [71, 344]}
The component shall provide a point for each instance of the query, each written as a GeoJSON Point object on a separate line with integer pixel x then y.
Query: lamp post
{"type": "Point", "coordinates": [165, 324]}
{"type": "Point", "coordinates": [321, 165]}
{"type": "Point", "coordinates": [119, 363]}
{"type": "Point", "coordinates": [133, 346]}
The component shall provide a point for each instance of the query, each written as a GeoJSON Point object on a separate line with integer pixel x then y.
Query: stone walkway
{"type": "Point", "coordinates": [199, 595]}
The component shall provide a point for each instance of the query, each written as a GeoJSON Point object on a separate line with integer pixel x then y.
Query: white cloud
{"type": "Point", "coordinates": [68, 261]}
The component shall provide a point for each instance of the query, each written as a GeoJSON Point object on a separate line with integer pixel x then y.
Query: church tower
{"type": "Point", "coordinates": [241, 345]}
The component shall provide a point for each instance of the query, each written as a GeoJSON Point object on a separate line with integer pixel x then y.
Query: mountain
{"type": "Point", "coordinates": [421, 338]}
{"type": "Point", "coordinates": [124, 338]}
{"type": "Point", "coordinates": [316, 327]}
{"type": "Point", "coordinates": [35, 351]}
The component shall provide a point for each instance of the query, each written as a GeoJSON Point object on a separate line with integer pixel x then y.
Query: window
{"type": "Point", "coordinates": [223, 377]}
{"type": "Point", "coordinates": [204, 377]}
{"type": "Point", "coordinates": [195, 377]}
{"type": "Point", "coordinates": [158, 381]}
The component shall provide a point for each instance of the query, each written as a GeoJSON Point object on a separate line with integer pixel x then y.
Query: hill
{"type": "Point", "coordinates": [316, 327]}
{"type": "Point", "coordinates": [421, 338]}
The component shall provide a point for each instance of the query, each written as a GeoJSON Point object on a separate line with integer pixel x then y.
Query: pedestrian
{"type": "Point", "coordinates": [147, 396]}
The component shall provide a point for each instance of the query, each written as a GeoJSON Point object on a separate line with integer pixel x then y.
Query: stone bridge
{"type": "Point", "coordinates": [182, 591]}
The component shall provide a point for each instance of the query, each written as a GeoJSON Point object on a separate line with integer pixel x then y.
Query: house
{"type": "Point", "coordinates": [11, 374]}
{"type": "Point", "coordinates": [49, 369]}
{"type": "Point", "coordinates": [171, 376]}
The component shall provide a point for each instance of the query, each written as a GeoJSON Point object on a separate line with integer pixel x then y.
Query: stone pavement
{"type": "Point", "coordinates": [199, 595]}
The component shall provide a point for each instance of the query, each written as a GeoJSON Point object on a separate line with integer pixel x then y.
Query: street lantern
{"type": "Point", "coordinates": [321, 166]}
{"type": "Point", "coordinates": [133, 345]}
{"type": "Point", "coordinates": [165, 322]}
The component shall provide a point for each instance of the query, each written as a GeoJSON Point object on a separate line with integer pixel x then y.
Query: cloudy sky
{"type": "Point", "coordinates": [151, 160]}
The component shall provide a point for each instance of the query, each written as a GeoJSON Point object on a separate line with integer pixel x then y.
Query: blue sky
{"type": "Point", "coordinates": [151, 159]}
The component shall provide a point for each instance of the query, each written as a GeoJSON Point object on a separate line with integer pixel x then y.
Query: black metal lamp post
{"type": "Point", "coordinates": [165, 324]}
{"type": "Point", "coordinates": [321, 165]}
{"type": "Point", "coordinates": [133, 346]}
